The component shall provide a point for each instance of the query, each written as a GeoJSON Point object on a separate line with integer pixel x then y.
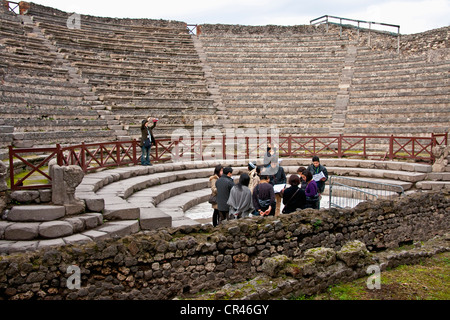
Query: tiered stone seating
{"type": "Point", "coordinates": [397, 94]}
{"type": "Point", "coordinates": [39, 98]}
{"type": "Point", "coordinates": [290, 80]}
{"type": "Point", "coordinates": [136, 67]}
{"type": "Point", "coordinates": [141, 198]}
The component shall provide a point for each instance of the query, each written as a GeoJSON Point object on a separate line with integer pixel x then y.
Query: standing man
{"type": "Point", "coordinates": [316, 168]}
{"type": "Point", "coordinates": [147, 139]}
{"type": "Point", "coordinates": [223, 186]}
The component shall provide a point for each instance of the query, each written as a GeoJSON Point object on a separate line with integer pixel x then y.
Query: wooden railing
{"type": "Point", "coordinates": [94, 156]}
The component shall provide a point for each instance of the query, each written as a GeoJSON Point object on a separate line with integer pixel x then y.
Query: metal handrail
{"type": "Point", "coordinates": [326, 19]}
{"type": "Point", "coordinates": [354, 20]}
{"type": "Point", "coordinates": [360, 189]}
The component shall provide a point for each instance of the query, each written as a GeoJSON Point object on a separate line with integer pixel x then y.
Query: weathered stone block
{"type": "Point", "coordinates": [55, 229]}
{"type": "Point", "coordinates": [271, 266]}
{"type": "Point", "coordinates": [325, 256]}
{"type": "Point", "coordinates": [24, 196]}
{"type": "Point", "coordinates": [22, 231]}
{"type": "Point", "coordinates": [77, 239]}
{"type": "Point", "coordinates": [73, 209]}
{"type": "Point", "coordinates": [36, 213]}
{"type": "Point", "coordinates": [121, 212]}
{"type": "Point", "coordinates": [352, 252]}
{"type": "Point", "coordinates": [91, 220]}
{"type": "Point", "coordinates": [77, 224]}
{"type": "Point", "coordinates": [64, 181]}
{"type": "Point", "coordinates": [153, 218]}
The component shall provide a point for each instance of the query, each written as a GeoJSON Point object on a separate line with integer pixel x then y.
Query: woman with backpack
{"type": "Point", "coordinates": [311, 191]}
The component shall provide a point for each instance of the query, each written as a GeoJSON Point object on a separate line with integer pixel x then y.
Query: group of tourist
{"type": "Point", "coordinates": [258, 192]}
{"type": "Point", "coordinates": [261, 191]}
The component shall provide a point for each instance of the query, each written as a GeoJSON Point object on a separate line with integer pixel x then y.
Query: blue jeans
{"type": "Point", "coordinates": [145, 156]}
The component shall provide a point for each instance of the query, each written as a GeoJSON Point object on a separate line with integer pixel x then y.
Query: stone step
{"type": "Point", "coordinates": [157, 194]}
{"type": "Point", "coordinates": [433, 185]}
{"type": "Point", "coordinates": [119, 228]}
{"type": "Point", "coordinates": [108, 230]}
{"type": "Point", "coordinates": [439, 176]}
{"type": "Point", "coordinates": [154, 218]}
{"type": "Point", "coordinates": [34, 213]}
{"type": "Point", "coordinates": [366, 182]}
{"type": "Point", "coordinates": [121, 211]}
{"type": "Point", "coordinates": [26, 231]}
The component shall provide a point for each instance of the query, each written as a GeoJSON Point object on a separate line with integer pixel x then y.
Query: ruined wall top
{"type": "Point", "coordinates": [36, 9]}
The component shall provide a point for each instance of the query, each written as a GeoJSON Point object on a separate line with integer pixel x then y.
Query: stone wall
{"type": "Point", "coordinates": [33, 8]}
{"type": "Point", "coordinates": [435, 40]}
{"type": "Point", "coordinates": [170, 262]}
{"type": "Point", "coordinates": [269, 29]}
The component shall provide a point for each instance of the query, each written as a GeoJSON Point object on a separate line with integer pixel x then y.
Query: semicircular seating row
{"type": "Point", "coordinates": [126, 200]}
{"type": "Point", "coordinates": [159, 195]}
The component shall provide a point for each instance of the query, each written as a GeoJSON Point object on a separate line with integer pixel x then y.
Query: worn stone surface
{"type": "Point", "coordinates": [36, 213]}
{"type": "Point", "coordinates": [94, 204]}
{"type": "Point", "coordinates": [65, 179]}
{"type": "Point", "coordinates": [25, 195]}
{"type": "Point", "coordinates": [325, 256]}
{"type": "Point", "coordinates": [352, 252]}
{"type": "Point", "coordinates": [153, 218]}
{"type": "Point", "coordinates": [121, 212]}
{"type": "Point", "coordinates": [441, 154]}
{"type": "Point", "coordinates": [273, 265]}
{"type": "Point", "coordinates": [172, 262]}
{"type": "Point", "coordinates": [55, 229]}
{"type": "Point", "coordinates": [22, 231]}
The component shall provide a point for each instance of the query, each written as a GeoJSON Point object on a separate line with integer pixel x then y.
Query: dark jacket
{"type": "Point", "coordinates": [279, 177]}
{"type": "Point", "coordinates": [223, 186]}
{"type": "Point", "coordinates": [144, 132]}
{"type": "Point", "coordinates": [314, 170]}
{"type": "Point", "coordinates": [264, 191]}
{"type": "Point", "coordinates": [292, 204]}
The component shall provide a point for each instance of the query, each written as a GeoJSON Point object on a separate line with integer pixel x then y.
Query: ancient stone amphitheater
{"type": "Point", "coordinates": [65, 85]}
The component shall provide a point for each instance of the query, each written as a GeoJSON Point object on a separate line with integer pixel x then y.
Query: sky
{"type": "Point", "coordinates": [413, 16]}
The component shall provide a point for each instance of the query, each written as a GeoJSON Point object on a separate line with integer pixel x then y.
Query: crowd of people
{"type": "Point", "coordinates": [258, 192]}
{"type": "Point", "coordinates": [261, 190]}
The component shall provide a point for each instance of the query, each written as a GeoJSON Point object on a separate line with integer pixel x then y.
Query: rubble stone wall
{"type": "Point", "coordinates": [170, 262]}
{"type": "Point", "coordinates": [423, 42]}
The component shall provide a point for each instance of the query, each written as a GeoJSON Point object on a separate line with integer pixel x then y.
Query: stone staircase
{"type": "Point", "coordinates": [343, 96]}
{"type": "Point", "coordinates": [211, 82]}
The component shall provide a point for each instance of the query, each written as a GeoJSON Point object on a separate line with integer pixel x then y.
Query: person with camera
{"type": "Point", "coordinates": [147, 139]}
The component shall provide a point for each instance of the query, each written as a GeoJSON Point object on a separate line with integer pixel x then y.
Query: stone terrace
{"type": "Point", "coordinates": [396, 95]}
{"type": "Point", "coordinates": [128, 200]}
{"type": "Point", "coordinates": [285, 76]}
{"type": "Point", "coordinates": [308, 81]}
{"type": "Point", "coordinates": [42, 101]}
{"type": "Point", "coordinates": [96, 83]}
{"type": "Point", "coordinates": [136, 67]}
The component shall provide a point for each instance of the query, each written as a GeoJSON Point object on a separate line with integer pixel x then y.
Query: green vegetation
{"type": "Point", "coordinates": [35, 178]}
{"type": "Point", "coordinates": [428, 280]}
